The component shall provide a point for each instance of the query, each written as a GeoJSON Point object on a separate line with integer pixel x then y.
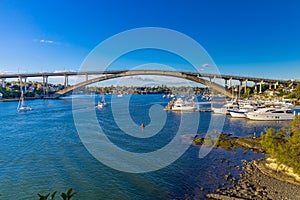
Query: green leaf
{"type": "Point", "coordinates": [53, 195]}
{"type": "Point", "coordinates": [64, 196]}
{"type": "Point", "coordinates": [69, 192]}
{"type": "Point", "coordinates": [44, 197]}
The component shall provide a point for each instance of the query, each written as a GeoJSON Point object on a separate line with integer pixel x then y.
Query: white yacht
{"type": "Point", "coordinates": [225, 109]}
{"type": "Point", "coordinates": [241, 113]}
{"type": "Point", "coordinates": [184, 105]}
{"type": "Point", "coordinates": [271, 114]}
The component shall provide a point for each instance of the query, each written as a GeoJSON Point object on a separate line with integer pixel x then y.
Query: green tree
{"type": "Point", "coordinates": [284, 147]}
{"type": "Point", "coordinates": [297, 91]}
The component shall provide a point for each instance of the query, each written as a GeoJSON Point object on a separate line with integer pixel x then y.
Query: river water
{"type": "Point", "coordinates": [41, 152]}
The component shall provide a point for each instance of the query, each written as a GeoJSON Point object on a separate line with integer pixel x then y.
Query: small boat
{"type": "Point", "coordinates": [271, 114]}
{"type": "Point", "coordinates": [101, 103]}
{"type": "Point", "coordinates": [120, 95]}
{"type": "Point", "coordinates": [170, 96]}
{"type": "Point", "coordinates": [22, 107]}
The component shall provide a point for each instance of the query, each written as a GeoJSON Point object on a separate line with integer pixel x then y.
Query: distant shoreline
{"type": "Point", "coordinates": [26, 98]}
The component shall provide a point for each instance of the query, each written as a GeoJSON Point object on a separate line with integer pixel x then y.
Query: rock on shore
{"type": "Point", "coordinates": [256, 185]}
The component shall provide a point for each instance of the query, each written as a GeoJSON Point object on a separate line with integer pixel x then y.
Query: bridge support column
{"type": "Point", "coordinates": [255, 87]}
{"type": "Point", "coordinates": [270, 86]}
{"type": "Point", "coordinates": [66, 83]}
{"type": "Point", "coordinates": [20, 80]}
{"type": "Point", "coordinates": [226, 83]}
{"type": "Point", "coordinates": [275, 85]}
{"type": "Point", "coordinates": [240, 87]}
{"type": "Point", "coordinates": [245, 86]}
{"type": "Point", "coordinates": [25, 86]}
{"type": "Point", "coordinates": [45, 84]}
{"type": "Point", "coordinates": [3, 82]}
{"type": "Point", "coordinates": [260, 87]}
{"type": "Point", "coordinates": [86, 77]}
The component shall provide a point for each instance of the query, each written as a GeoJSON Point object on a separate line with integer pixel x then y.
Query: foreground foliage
{"type": "Point", "coordinates": [284, 146]}
{"type": "Point", "coordinates": [65, 196]}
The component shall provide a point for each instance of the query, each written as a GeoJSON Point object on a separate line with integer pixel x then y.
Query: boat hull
{"type": "Point", "coordinates": [237, 114]}
{"type": "Point", "coordinates": [270, 117]}
{"type": "Point", "coordinates": [187, 108]}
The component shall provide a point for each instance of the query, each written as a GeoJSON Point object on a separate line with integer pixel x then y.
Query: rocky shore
{"type": "Point", "coordinates": [256, 179]}
{"type": "Point", "coordinates": [226, 141]}
{"type": "Point", "coordinates": [255, 184]}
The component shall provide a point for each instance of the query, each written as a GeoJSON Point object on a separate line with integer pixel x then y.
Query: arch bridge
{"type": "Point", "coordinates": [185, 75]}
{"type": "Point", "coordinates": [205, 79]}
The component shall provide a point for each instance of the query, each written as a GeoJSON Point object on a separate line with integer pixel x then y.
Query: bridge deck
{"type": "Point", "coordinates": [203, 75]}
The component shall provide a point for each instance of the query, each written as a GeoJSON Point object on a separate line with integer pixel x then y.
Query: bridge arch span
{"type": "Point", "coordinates": [184, 75]}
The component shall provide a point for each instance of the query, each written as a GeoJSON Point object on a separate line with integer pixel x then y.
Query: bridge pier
{"type": "Point", "coordinates": [21, 84]}
{"type": "Point", "coordinates": [240, 88]}
{"type": "Point", "coordinates": [66, 82]}
{"type": "Point", "coordinates": [270, 86]}
{"type": "Point", "coordinates": [230, 82]}
{"type": "Point", "coordinates": [45, 84]}
{"type": "Point", "coordinates": [3, 82]}
{"type": "Point", "coordinates": [255, 87]}
{"type": "Point", "coordinates": [226, 83]}
{"type": "Point", "coordinates": [245, 86]}
{"type": "Point", "coordinates": [25, 86]}
{"type": "Point", "coordinates": [86, 77]}
{"type": "Point", "coordinates": [260, 87]}
{"type": "Point", "coordinates": [275, 85]}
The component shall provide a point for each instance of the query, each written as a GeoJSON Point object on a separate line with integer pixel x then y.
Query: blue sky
{"type": "Point", "coordinates": [250, 38]}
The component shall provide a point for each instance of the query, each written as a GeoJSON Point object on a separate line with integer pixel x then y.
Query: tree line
{"type": "Point", "coordinates": [284, 145]}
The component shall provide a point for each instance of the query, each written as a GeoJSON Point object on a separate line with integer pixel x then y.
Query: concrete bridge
{"type": "Point", "coordinates": [205, 79]}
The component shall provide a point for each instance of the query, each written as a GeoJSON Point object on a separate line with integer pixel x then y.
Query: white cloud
{"type": "Point", "coordinates": [47, 41]}
{"type": "Point", "coordinates": [44, 41]}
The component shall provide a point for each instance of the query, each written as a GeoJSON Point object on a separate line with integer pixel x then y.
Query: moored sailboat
{"type": "Point", "coordinates": [22, 107]}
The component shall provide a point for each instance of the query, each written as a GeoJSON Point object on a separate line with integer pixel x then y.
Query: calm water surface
{"type": "Point", "coordinates": [40, 152]}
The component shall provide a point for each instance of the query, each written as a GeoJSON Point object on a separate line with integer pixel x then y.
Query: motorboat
{"type": "Point", "coordinates": [271, 114]}
{"type": "Point", "coordinates": [184, 105]}
{"type": "Point", "coordinates": [241, 113]}
{"type": "Point", "coordinates": [170, 96]}
{"type": "Point", "coordinates": [101, 103]}
{"type": "Point", "coordinates": [225, 109]}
